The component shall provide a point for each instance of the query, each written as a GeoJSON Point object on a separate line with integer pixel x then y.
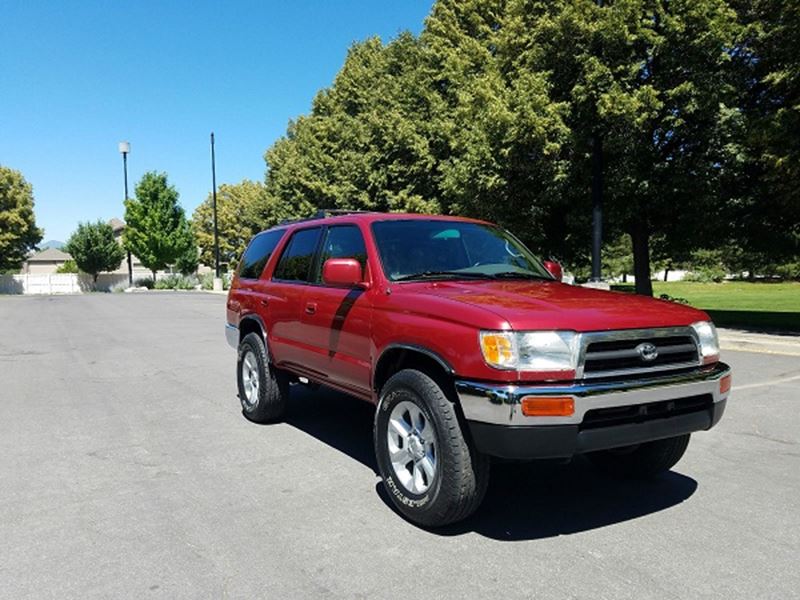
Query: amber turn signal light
{"type": "Point", "coordinates": [725, 384]}
{"type": "Point", "coordinates": [533, 406]}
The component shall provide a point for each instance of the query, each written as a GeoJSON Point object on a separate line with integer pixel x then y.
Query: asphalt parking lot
{"type": "Point", "coordinates": [127, 470]}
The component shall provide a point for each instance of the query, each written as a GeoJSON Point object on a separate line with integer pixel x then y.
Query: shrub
{"type": "Point", "coordinates": [207, 281]}
{"type": "Point", "coordinates": [176, 282]}
{"type": "Point", "coordinates": [67, 267]}
{"type": "Point", "coordinates": [145, 282]}
{"type": "Point", "coordinates": [706, 266]}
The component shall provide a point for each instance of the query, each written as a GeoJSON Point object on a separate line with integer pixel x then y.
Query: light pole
{"type": "Point", "coordinates": [217, 279]}
{"type": "Point", "coordinates": [124, 149]}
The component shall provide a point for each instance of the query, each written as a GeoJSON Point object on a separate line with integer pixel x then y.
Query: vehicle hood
{"type": "Point", "coordinates": [551, 305]}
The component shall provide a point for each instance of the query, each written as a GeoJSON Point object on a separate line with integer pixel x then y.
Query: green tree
{"type": "Point", "coordinates": [241, 213]}
{"type": "Point", "coordinates": [156, 231]}
{"type": "Point", "coordinates": [69, 266]}
{"type": "Point", "coordinates": [763, 178]}
{"type": "Point", "coordinates": [651, 90]}
{"type": "Point", "coordinates": [18, 231]}
{"type": "Point", "coordinates": [94, 248]}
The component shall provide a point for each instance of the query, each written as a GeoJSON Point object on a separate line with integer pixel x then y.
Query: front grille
{"type": "Point", "coordinates": [641, 413]}
{"type": "Point", "coordinates": [629, 355]}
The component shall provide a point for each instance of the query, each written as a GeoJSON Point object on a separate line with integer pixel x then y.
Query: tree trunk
{"type": "Point", "coordinates": [154, 278]}
{"type": "Point", "coordinates": [624, 278]}
{"type": "Point", "coordinates": [666, 274]}
{"type": "Point", "coordinates": [641, 257]}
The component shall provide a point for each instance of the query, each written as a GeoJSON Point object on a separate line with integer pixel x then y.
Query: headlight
{"type": "Point", "coordinates": [709, 343]}
{"type": "Point", "coordinates": [550, 351]}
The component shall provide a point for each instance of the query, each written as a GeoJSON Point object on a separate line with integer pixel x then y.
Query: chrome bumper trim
{"type": "Point", "coordinates": [499, 403]}
{"type": "Point", "coordinates": [232, 335]}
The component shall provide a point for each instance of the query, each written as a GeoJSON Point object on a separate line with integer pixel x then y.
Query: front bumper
{"type": "Point", "coordinates": [648, 409]}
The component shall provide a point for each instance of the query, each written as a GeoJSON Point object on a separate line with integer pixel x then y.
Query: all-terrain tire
{"type": "Point", "coordinates": [461, 473]}
{"type": "Point", "coordinates": [644, 460]}
{"type": "Point", "coordinates": [263, 389]}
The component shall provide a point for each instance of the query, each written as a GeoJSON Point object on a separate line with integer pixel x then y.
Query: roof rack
{"type": "Point", "coordinates": [326, 212]}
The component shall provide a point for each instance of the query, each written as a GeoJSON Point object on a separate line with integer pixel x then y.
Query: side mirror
{"type": "Point", "coordinates": [342, 272]}
{"type": "Point", "coordinates": [554, 269]}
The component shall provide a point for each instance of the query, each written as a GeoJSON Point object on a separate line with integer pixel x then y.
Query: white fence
{"type": "Point", "coordinates": [61, 283]}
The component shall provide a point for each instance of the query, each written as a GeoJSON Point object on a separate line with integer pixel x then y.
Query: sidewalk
{"type": "Point", "coordinates": [736, 339]}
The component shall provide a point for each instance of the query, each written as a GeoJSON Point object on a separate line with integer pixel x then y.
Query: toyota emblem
{"type": "Point", "coordinates": [647, 351]}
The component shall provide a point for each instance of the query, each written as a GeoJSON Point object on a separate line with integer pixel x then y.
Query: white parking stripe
{"type": "Point", "coordinates": [748, 386]}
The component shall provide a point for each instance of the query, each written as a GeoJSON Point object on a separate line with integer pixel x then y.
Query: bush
{"type": "Point", "coordinates": [145, 282]}
{"type": "Point", "coordinates": [176, 282]}
{"type": "Point", "coordinates": [67, 267]}
{"type": "Point", "coordinates": [207, 281]}
{"type": "Point", "coordinates": [706, 266]}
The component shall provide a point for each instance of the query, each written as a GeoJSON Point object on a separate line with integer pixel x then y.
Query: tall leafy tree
{"type": "Point", "coordinates": [241, 213]}
{"type": "Point", "coordinates": [156, 231]}
{"type": "Point", "coordinates": [651, 87]}
{"type": "Point", "coordinates": [763, 181]}
{"type": "Point", "coordinates": [18, 231]}
{"type": "Point", "coordinates": [94, 248]}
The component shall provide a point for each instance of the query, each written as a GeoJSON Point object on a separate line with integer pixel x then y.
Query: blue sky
{"type": "Point", "coordinates": [78, 77]}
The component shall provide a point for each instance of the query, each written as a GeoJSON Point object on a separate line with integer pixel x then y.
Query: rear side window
{"type": "Point", "coordinates": [298, 256]}
{"type": "Point", "coordinates": [257, 254]}
{"type": "Point", "coordinates": [343, 241]}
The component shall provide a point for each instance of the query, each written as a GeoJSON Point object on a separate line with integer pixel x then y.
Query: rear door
{"type": "Point", "coordinates": [288, 287]}
{"type": "Point", "coordinates": [336, 320]}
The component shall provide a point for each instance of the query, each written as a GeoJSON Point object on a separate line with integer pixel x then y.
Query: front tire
{"type": "Point", "coordinates": [263, 389]}
{"type": "Point", "coordinates": [432, 474]}
{"type": "Point", "coordinates": [643, 460]}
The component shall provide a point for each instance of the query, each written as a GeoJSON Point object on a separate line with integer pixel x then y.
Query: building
{"type": "Point", "coordinates": [45, 262]}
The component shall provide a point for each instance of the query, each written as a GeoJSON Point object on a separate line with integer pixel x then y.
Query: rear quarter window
{"type": "Point", "coordinates": [257, 254]}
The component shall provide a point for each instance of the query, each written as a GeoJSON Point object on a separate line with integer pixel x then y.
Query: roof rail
{"type": "Point", "coordinates": [324, 213]}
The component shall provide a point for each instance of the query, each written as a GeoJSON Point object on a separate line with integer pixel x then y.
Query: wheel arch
{"type": "Point", "coordinates": [396, 357]}
{"type": "Point", "coordinates": [253, 324]}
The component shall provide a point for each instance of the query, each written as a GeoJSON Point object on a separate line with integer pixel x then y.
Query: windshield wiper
{"type": "Point", "coordinates": [519, 275]}
{"type": "Point", "coordinates": [444, 274]}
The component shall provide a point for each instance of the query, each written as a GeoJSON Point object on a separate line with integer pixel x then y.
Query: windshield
{"type": "Point", "coordinates": [428, 249]}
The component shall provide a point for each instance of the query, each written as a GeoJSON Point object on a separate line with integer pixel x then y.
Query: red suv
{"type": "Point", "coordinates": [470, 348]}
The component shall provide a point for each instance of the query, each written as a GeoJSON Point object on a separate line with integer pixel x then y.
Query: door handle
{"type": "Point", "coordinates": [264, 301]}
{"type": "Point", "coordinates": [311, 308]}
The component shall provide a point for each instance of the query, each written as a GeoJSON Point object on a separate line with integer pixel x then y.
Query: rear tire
{"type": "Point", "coordinates": [643, 460]}
{"type": "Point", "coordinates": [432, 474]}
{"type": "Point", "coordinates": [263, 389]}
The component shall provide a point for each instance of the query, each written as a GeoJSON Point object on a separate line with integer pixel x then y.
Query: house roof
{"type": "Point", "coordinates": [50, 255]}
{"type": "Point", "coordinates": [116, 224]}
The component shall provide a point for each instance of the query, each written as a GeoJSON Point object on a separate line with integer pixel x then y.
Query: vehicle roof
{"type": "Point", "coordinates": [369, 218]}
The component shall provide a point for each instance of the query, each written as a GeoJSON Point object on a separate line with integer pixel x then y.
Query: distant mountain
{"type": "Point", "coordinates": [51, 244]}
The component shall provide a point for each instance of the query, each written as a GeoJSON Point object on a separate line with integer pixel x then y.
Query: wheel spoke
{"type": "Point", "coordinates": [427, 465]}
{"type": "Point", "coordinates": [418, 481]}
{"type": "Point", "coordinates": [401, 427]}
{"type": "Point", "coordinates": [399, 456]}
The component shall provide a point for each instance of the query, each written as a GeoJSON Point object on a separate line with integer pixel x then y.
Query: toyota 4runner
{"type": "Point", "coordinates": [470, 347]}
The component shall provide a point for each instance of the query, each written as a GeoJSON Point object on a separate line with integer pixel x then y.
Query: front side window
{"type": "Point", "coordinates": [298, 257]}
{"type": "Point", "coordinates": [343, 241]}
{"type": "Point", "coordinates": [257, 254]}
{"type": "Point", "coordinates": [429, 249]}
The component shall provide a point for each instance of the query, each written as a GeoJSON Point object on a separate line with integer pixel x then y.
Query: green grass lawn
{"type": "Point", "coordinates": [739, 303]}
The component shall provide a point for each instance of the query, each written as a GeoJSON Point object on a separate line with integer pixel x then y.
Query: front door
{"type": "Point", "coordinates": [336, 320]}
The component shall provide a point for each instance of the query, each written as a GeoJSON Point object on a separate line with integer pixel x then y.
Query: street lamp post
{"type": "Point", "coordinates": [125, 148]}
{"type": "Point", "coordinates": [217, 279]}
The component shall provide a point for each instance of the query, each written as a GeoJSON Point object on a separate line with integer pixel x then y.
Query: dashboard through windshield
{"type": "Point", "coordinates": [419, 249]}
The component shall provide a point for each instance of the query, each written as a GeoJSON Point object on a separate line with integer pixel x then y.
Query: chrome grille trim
{"type": "Point", "coordinates": [649, 335]}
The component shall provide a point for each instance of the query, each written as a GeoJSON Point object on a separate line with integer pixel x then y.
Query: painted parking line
{"type": "Point", "coordinates": [767, 383]}
{"type": "Point", "coordinates": [758, 349]}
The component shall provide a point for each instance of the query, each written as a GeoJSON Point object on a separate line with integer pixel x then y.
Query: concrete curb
{"type": "Point", "coordinates": [744, 341]}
